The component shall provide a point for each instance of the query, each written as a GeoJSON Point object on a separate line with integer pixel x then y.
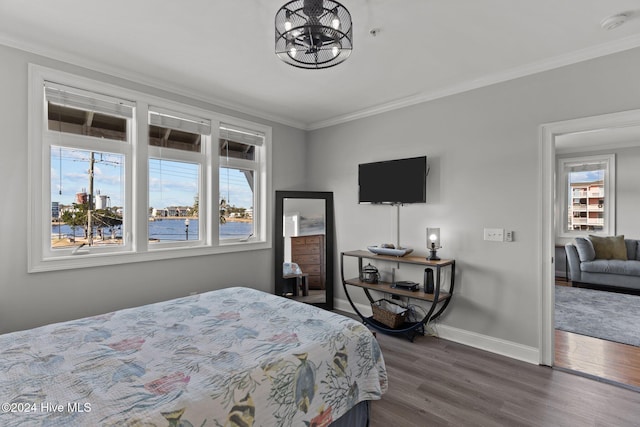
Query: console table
{"type": "Point", "coordinates": [409, 329]}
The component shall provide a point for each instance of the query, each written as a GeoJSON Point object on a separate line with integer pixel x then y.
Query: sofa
{"type": "Point", "coordinates": [611, 263]}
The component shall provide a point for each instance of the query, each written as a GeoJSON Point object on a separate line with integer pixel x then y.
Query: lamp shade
{"type": "Point", "coordinates": [433, 243]}
{"type": "Point", "coordinates": [433, 238]}
{"type": "Point", "coordinates": [313, 34]}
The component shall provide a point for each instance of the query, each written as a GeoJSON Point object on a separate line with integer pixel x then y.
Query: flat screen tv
{"type": "Point", "coordinates": [393, 181]}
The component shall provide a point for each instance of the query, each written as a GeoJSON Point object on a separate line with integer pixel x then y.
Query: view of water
{"type": "Point", "coordinates": [169, 229]}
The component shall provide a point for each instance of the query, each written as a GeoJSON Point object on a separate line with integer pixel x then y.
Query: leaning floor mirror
{"type": "Point", "coordinates": [304, 246]}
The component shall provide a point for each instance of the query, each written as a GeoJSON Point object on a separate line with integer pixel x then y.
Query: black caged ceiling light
{"type": "Point", "coordinates": [313, 33]}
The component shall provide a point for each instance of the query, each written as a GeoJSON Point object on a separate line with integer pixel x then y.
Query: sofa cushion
{"type": "Point", "coordinates": [632, 248]}
{"type": "Point", "coordinates": [612, 247]}
{"type": "Point", "coordinates": [613, 266]}
{"type": "Point", "coordinates": [585, 249]}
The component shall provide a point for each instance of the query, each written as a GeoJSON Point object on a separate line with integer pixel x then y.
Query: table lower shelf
{"type": "Point", "coordinates": [387, 288]}
{"type": "Point", "coordinates": [410, 329]}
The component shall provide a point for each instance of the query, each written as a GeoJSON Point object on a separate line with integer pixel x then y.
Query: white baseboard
{"type": "Point", "coordinates": [461, 336]}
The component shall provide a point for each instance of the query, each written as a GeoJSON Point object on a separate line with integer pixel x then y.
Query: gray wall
{"type": "Point", "coordinates": [483, 149]}
{"type": "Point", "coordinates": [483, 152]}
{"type": "Point", "coordinates": [627, 192]}
{"type": "Point", "coordinates": [29, 300]}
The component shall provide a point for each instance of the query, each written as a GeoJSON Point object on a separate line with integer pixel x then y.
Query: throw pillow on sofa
{"type": "Point", "coordinates": [586, 252]}
{"type": "Point", "coordinates": [612, 247]}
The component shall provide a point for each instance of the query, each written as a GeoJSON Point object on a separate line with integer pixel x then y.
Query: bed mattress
{"type": "Point", "coordinates": [232, 357]}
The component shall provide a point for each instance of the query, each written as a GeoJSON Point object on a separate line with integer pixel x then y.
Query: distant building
{"type": "Point", "coordinates": [177, 210]}
{"type": "Point", "coordinates": [586, 206]}
{"type": "Point", "coordinates": [81, 198]}
{"type": "Point", "coordinates": [101, 201]}
{"type": "Point", "coordinates": [55, 210]}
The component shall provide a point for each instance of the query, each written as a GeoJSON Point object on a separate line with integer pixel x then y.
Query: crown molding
{"type": "Point", "coordinates": [139, 78]}
{"type": "Point", "coordinates": [582, 55]}
{"type": "Point", "coordinates": [490, 79]}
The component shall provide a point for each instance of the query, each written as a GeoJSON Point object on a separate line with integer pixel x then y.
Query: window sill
{"type": "Point", "coordinates": [97, 260]}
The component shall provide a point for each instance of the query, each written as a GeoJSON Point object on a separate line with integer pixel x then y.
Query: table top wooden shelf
{"type": "Point", "coordinates": [408, 259]}
{"type": "Point", "coordinates": [387, 288]}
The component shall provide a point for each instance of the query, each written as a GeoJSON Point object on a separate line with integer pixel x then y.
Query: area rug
{"type": "Point", "coordinates": [606, 315]}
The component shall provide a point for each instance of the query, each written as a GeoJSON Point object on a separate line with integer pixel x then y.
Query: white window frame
{"type": "Point", "coordinates": [563, 196]}
{"type": "Point", "coordinates": [88, 143]}
{"type": "Point", "coordinates": [202, 158]}
{"type": "Point", "coordinates": [258, 166]}
{"type": "Point", "coordinates": [137, 153]}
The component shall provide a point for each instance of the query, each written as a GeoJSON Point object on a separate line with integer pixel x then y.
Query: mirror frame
{"type": "Point", "coordinates": [278, 238]}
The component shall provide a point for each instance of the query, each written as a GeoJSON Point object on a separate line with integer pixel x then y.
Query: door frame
{"type": "Point", "coordinates": [547, 152]}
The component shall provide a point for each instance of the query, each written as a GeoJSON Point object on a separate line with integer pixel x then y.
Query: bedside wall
{"type": "Point", "coordinates": [483, 147]}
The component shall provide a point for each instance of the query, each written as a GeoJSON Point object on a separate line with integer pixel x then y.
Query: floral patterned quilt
{"type": "Point", "coordinates": [234, 357]}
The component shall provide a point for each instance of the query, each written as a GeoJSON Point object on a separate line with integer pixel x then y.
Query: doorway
{"type": "Point", "coordinates": [611, 131]}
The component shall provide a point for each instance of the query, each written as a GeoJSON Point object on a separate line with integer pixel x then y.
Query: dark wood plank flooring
{"type": "Point", "coordinates": [607, 360]}
{"type": "Point", "coordinates": [434, 382]}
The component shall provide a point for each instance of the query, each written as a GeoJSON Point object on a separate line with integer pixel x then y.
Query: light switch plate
{"type": "Point", "coordinates": [494, 234]}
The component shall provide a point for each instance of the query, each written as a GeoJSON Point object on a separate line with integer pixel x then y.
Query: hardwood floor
{"type": "Point", "coordinates": [436, 382]}
{"type": "Point", "coordinates": [607, 360]}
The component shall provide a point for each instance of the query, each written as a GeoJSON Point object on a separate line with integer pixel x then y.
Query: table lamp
{"type": "Point", "coordinates": [433, 243]}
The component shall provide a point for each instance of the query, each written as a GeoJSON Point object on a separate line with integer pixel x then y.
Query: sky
{"type": "Point", "coordinates": [587, 176]}
{"type": "Point", "coordinates": [171, 183]}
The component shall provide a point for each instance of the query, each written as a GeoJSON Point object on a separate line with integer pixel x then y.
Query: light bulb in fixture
{"type": "Point", "coordinates": [287, 24]}
{"type": "Point", "coordinates": [335, 51]}
{"type": "Point", "coordinates": [291, 48]}
{"type": "Point", "coordinates": [335, 22]}
{"type": "Point", "coordinates": [433, 243]}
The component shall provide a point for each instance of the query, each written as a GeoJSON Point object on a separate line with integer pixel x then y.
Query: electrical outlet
{"type": "Point", "coordinates": [508, 236]}
{"type": "Point", "coordinates": [494, 234]}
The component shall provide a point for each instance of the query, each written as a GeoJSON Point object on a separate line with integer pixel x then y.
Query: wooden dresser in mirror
{"type": "Point", "coordinates": [308, 252]}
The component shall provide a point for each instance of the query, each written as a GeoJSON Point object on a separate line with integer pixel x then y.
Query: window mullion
{"type": "Point", "coordinates": [140, 179]}
{"type": "Point", "coordinates": [213, 181]}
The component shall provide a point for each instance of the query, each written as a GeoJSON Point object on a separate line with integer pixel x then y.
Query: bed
{"type": "Point", "coordinates": [231, 357]}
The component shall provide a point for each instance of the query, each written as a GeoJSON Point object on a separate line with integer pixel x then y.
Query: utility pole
{"type": "Point", "coordinates": [90, 201]}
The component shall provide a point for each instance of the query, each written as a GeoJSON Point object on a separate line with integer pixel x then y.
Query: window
{"type": "Point", "coordinates": [586, 195]}
{"type": "Point", "coordinates": [239, 175]}
{"type": "Point", "coordinates": [177, 158]}
{"type": "Point", "coordinates": [120, 176]}
{"type": "Point", "coordinates": [89, 144]}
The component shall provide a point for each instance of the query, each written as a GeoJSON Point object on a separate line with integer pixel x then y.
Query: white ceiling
{"type": "Point", "coordinates": [221, 51]}
{"type": "Point", "coordinates": [598, 139]}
